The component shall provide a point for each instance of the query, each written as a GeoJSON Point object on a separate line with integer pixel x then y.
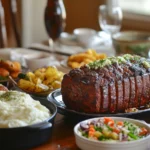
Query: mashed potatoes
{"type": "Point", "coordinates": [19, 109]}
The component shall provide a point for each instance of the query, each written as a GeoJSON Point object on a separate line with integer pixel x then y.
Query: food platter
{"type": "Point", "coordinates": [56, 98]}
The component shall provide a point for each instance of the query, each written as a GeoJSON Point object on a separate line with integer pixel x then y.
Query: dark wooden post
{"type": "Point", "coordinates": [3, 35]}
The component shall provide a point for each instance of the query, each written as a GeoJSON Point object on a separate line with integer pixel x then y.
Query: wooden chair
{"type": "Point", "coordinates": [11, 7]}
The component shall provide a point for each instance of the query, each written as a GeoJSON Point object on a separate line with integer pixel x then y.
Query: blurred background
{"type": "Point", "coordinates": [80, 13]}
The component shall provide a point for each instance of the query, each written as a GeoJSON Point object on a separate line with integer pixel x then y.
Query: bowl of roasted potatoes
{"type": "Point", "coordinates": [40, 82]}
{"type": "Point", "coordinates": [80, 59]}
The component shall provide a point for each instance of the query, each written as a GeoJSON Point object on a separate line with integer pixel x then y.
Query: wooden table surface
{"type": "Point", "coordinates": [62, 136]}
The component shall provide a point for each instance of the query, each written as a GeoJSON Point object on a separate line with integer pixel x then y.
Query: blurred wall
{"type": "Point", "coordinates": [33, 21]}
{"type": "Point", "coordinates": [80, 13]}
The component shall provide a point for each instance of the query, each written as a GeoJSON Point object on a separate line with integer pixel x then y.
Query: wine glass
{"type": "Point", "coordinates": [110, 19]}
{"type": "Point", "coordinates": [54, 18]}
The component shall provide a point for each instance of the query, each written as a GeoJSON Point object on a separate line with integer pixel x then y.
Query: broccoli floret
{"type": "Point", "coordinates": [23, 76]}
{"type": "Point", "coordinates": [3, 78]}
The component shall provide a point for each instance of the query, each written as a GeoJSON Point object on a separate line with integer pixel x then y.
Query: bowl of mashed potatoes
{"type": "Point", "coordinates": [24, 122]}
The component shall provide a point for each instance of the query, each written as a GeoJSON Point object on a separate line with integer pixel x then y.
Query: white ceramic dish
{"type": "Point", "coordinates": [85, 35]}
{"type": "Point", "coordinates": [87, 144]}
{"type": "Point", "coordinates": [31, 59]}
{"type": "Point", "coordinates": [80, 32]}
{"type": "Point", "coordinates": [68, 39]}
{"type": "Point", "coordinates": [22, 55]}
{"type": "Point", "coordinates": [39, 61]}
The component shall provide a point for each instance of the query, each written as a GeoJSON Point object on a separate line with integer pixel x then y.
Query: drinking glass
{"type": "Point", "coordinates": [110, 18]}
{"type": "Point", "coordinates": [54, 18]}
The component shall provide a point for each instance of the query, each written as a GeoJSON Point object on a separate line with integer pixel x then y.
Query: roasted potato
{"type": "Point", "coordinates": [80, 59]}
{"type": "Point", "coordinates": [26, 85]}
{"type": "Point", "coordinates": [41, 80]}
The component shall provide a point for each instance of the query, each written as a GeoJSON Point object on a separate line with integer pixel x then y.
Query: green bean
{"type": "Point", "coordinates": [133, 136]}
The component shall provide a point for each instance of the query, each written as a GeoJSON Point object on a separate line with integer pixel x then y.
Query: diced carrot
{"type": "Point", "coordinates": [107, 119]}
{"type": "Point", "coordinates": [144, 131]}
{"type": "Point", "coordinates": [111, 123]}
{"type": "Point", "coordinates": [92, 129]}
{"type": "Point", "coordinates": [90, 133]}
{"type": "Point", "coordinates": [120, 123]}
{"type": "Point", "coordinates": [116, 130]}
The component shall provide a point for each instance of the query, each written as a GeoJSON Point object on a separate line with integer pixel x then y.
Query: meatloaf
{"type": "Point", "coordinates": [109, 85]}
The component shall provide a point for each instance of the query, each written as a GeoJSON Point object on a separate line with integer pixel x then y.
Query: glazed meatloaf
{"type": "Point", "coordinates": [109, 85]}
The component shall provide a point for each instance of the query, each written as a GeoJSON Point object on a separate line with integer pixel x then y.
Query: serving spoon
{"type": "Point", "coordinates": [44, 93]}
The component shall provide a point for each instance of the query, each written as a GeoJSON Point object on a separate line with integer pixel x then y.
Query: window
{"type": "Point", "coordinates": [141, 7]}
{"type": "Point", "coordinates": [136, 14]}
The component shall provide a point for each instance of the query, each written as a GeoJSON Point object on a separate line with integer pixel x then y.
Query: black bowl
{"type": "Point", "coordinates": [29, 136]}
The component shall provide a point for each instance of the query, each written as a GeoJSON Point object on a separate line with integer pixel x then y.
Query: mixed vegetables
{"type": "Point", "coordinates": [108, 129]}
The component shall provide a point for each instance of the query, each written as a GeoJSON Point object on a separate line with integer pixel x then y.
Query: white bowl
{"type": "Point", "coordinates": [38, 61]}
{"type": "Point", "coordinates": [84, 35]}
{"type": "Point", "coordinates": [20, 55]}
{"type": "Point", "coordinates": [87, 144]}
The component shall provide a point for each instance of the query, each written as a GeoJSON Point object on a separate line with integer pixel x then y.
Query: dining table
{"type": "Point", "coordinates": [63, 137]}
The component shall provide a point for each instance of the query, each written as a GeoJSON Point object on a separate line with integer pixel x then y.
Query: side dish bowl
{"type": "Point", "coordinates": [39, 61]}
{"type": "Point", "coordinates": [88, 144]}
{"type": "Point", "coordinates": [28, 136]}
{"type": "Point", "coordinates": [132, 42]}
